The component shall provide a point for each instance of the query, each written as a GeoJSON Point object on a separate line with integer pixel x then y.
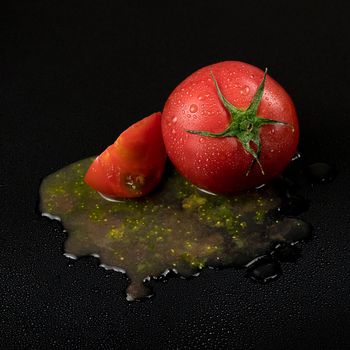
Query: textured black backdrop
{"type": "Point", "coordinates": [76, 73]}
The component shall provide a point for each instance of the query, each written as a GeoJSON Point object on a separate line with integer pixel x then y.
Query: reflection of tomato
{"type": "Point", "coordinates": [231, 136]}
{"type": "Point", "coordinates": [134, 164]}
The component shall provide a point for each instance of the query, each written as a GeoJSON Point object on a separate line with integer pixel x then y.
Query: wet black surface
{"type": "Point", "coordinates": [264, 269]}
{"type": "Point", "coordinates": [178, 227]}
{"type": "Point", "coordinates": [320, 172]}
{"type": "Point", "coordinates": [72, 77]}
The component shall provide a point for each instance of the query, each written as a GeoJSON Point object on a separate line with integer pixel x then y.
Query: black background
{"type": "Point", "coordinates": [74, 74]}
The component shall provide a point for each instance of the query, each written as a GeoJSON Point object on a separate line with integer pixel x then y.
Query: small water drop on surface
{"type": "Point", "coordinates": [70, 256]}
{"type": "Point", "coordinates": [174, 120]}
{"type": "Point", "coordinates": [51, 216]}
{"type": "Point", "coordinates": [320, 172]}
{"type": "Point", "coordinates": [206, 191]}
{"type": "Point", "coordinates": [297, 156]}
{"type": "Point", "coordinates": [263, 269]}
{"type": "Point", "coordinates": [201, 140]}
{"type": "Point", "coordinates": [173, 131]}
{"type": "Point", "coordinates": [109, 198]}
{"type": "Point", "coordinates": [193, 108]}
{"type": "Point", "coordinates": [286, 252]}
{"type": "Point", "coordinates": [260, 186]}
{"type": "Point", "coordinates": [245, 90]}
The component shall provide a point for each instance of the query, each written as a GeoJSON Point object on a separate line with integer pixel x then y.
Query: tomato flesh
{"type": "Point", "coordinates": [133, 165]}
{"type": "Point", "coordinates": [220, 164]}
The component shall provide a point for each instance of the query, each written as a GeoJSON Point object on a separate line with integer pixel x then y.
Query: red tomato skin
{"type": "Point", "coordinates": [134, 164]}
{"type": "Point", "coordinates": [220, 164]}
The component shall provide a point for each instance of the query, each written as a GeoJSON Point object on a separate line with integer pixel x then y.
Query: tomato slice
{"type": "Point", "coordinates": [133, 165]}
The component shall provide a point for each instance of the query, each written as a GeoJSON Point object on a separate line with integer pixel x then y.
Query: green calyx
{"type": "Point", "coordinates": [244, 124]}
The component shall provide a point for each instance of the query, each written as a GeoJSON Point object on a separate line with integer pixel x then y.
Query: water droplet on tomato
{"type": "Point", "coordinates": [174, 120]}
{"type": "Point", "coordinates": [245, 90]}
{"type": "Point", "coordinates": [201, 140]}
{"type": "Point", "coordinates": [200, 98]}
{"type": "Point", "coordinates": [252, 76]}
{"type": "Point", "coordinates": [173, 131]}
{"type": "Point", "coordinates": [193, 108]}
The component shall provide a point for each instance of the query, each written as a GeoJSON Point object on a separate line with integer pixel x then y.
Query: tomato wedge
{"type": "Point", "coordinates": [133, 165]}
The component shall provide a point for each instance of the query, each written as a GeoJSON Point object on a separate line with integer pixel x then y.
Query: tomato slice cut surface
{"type": "Point", "coordinates": [133, 165]}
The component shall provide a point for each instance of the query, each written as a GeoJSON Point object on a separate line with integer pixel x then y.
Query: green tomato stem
{"type": "Point", "coordinates": [244, 125]}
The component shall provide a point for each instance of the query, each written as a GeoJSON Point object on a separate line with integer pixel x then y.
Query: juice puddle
{"type": "Point", "coordinates": [178, 228]}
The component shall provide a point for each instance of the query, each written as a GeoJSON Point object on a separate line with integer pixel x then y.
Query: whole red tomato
{"type": "Point", "coordinates": [229, 127]}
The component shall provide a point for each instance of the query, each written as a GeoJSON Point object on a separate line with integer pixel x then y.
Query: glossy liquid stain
{"type": "Point", "coordinates": [178, 228]}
